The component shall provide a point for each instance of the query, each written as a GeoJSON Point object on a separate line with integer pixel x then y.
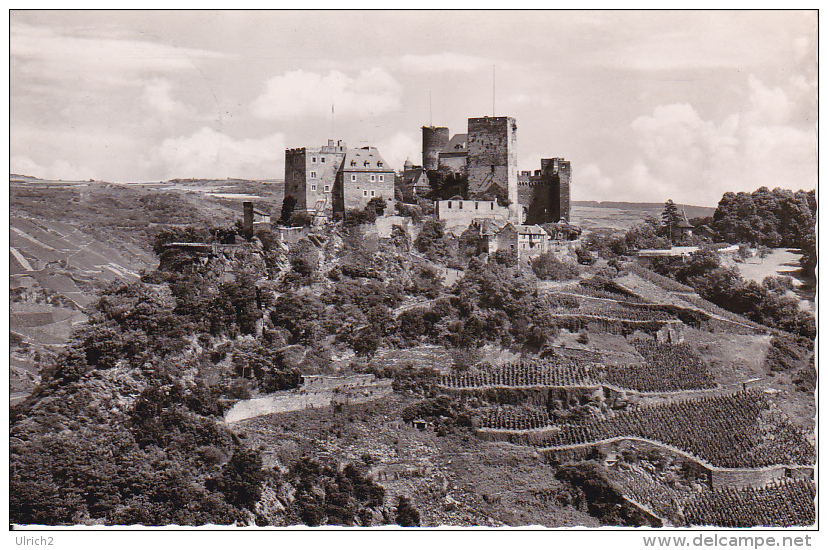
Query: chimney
{"type": "Point", "coordinates": [248, 220]}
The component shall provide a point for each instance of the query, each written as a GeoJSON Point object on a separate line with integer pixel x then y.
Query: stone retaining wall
{"type": "Point", "coordinates": [296, 400]}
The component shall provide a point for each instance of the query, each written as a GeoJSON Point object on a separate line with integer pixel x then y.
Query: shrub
{"type": "Point", "coordinates": [300, 219]}
{"type": "Point", "coordinates": [549, 268]}
{"type": "Point", "coordinates": [354, 217]}
{"type": "Point", "coordinates": [376, 205]}
{"type": "Point", "coordinates": [585, 257]}
{"type": "Point", "coordinates": [507, 258]}
{"type": "Point", "coordinates": [407, 515]}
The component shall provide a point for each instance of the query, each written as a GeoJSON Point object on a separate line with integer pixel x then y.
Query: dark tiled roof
{"type": "Point", "coordinates": [366, 159]}
{"type": "Point", "coordinates": [456, 145]}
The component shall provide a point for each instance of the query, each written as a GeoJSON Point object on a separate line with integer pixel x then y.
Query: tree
{"type": "Point", "coordinates": [377, 204]}
{"type": "Point", "coordinates": [407, 515]}
{"type": "Point", "coordinates": [670, 217]}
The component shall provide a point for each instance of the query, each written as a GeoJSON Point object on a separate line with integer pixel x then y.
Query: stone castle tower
{"type": "Point", "coordinates": [434, 139]}
{"type": "Point", "coordinates": [544, 195]}
{"type": "Point", "coordinates": [492, 160]}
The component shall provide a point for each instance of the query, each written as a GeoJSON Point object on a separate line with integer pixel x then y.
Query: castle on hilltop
{"type": "Point", "coordinates": [480, 178]}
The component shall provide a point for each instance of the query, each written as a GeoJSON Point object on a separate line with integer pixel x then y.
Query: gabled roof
{"type": "Point", "coordinates": [456, 145]}
{"type": "Point", "coordinates": [413, 175]}
{"type": "Point", "coordinates": [683, 223]}
{"type": "Point", "coordinates": [365, 159]}
{"type": "Point", "coordinates": [488, 226]}
{"type": "Point", "coordinates": [531, 230]}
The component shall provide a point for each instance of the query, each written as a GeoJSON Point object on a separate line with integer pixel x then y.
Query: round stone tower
{"type": "Point", "coordinates": [434, 139]}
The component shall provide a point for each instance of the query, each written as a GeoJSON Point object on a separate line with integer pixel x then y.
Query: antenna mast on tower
{"type": "Point", "coordinates": [430, 123]}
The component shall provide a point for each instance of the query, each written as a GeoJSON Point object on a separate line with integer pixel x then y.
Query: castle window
{"type": "Point", "coordinates": [313, 187]}
{"type": "Point", "coordinates": [372, 192]}
{"type": "Point", "coordinates": [460, 205]}
{"type": "Point", "coordinates": [381, 178]}
{"type": "Point", "coordinates": [365, 193]}
{"type": "Point", "coordinates": [313, 174]}
{"type": "Point", "coordinates": [492, 205]}
{"type": "Point", "coordinates": [373, 177]}
{"type": "Point", "coordinates": [353, 163]}
{"type": "Point", "coordinates": [313, 159]}
{"type": "Point", "coordinates": [327, 189]}
{"type": "Point", "coordinates": [366, 163]}
{"type": "Point", "coordinates": [322, 160]}
{"type": "Point", "coordinates": [476, 206]}
{"type": "Point", "coordinates": [353, 177]}
{"type": "Point", "coordinates": [449, 204]}
{"type": "Point", "coordinates": [379, 164]}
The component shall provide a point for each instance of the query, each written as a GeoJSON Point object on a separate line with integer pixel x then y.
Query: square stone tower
{"type": "Point", "coordinates": [492, 160]}
{"type": "Point", "coordinates": [557, 174]}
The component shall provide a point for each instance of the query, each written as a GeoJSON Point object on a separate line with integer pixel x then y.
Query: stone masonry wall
{"type": "Point", "coordinates": [459, 214]}
{"type": "Point", "coordinates": [492, 160]}
{"type": "Point", "coordinates": [356, 194]}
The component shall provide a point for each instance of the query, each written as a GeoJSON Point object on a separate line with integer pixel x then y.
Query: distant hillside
{"type": "Point", "coordinates": [691, 210]}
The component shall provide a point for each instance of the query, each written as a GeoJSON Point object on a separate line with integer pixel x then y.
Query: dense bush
{"type": "Point", "coordinates": [585, 257]}
{"type": "Point", "coordinates": [772, 218]}
{"type": "Point", "coordinates": [548, 267]}
{"type": "Point", "coordinates": [353, 217]}
{"type": "Point", "coordinates": [725, 288]}
{"type": "Point", "coordinates": [326, 496]}
{"type": "Point", "coordinates": [431, 241]}
{"type": "Point", "coordinates": [407, 514]}
{"type": "Point", "coordinates": [603, 498]}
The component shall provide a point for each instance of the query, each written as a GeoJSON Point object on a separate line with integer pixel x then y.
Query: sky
{"type": "Point", "coordinates": [647, 105]}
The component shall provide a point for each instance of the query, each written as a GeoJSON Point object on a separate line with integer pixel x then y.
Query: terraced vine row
{"type": "Point", "coordinates": [514, 418]}
{"type": "Point", "coordinates": [786, 504]}
{"type": "Point", "coordinates": [726, 431]}
{"type": "Point", "coordinates": [617, 311]}
{"type": "Point", "coordinates": [522, 374]}
{"type": "Point", "coordinates": [669, 367]}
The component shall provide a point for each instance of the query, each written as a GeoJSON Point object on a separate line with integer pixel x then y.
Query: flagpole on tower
{"type": "Point", "coordinates": [493, 91]}
{"type": "Point", "coordinates": [430, 123]}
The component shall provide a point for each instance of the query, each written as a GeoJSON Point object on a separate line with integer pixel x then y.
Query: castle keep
{"type": "Point", "coordinates": [492, 161]}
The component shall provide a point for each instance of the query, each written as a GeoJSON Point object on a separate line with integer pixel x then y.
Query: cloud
{"type": "Point", "coordinates": [298, 93]}
{"type": "Point", "coordinates": [210, 154]}
{"type": "Point", "coordinates": [157, 97]}
{"type": "Point", "coordinates": [400, 146]}
{"type": "Point", "coordinates": [689, 159]}
{"type": "Point", "coordinates": [56, 169]}
{"type": "Point", "coordinates": [442, 62]}
{"type": "Point", "coordinates": [657, 41]}
{"type": "Point", "coordinates": [43, 53]}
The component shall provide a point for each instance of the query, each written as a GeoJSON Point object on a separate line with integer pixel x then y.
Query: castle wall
{"type": "Point", "coordinates": [492, 159]}
{"type": "Point", "coordinates": [458, 214]}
